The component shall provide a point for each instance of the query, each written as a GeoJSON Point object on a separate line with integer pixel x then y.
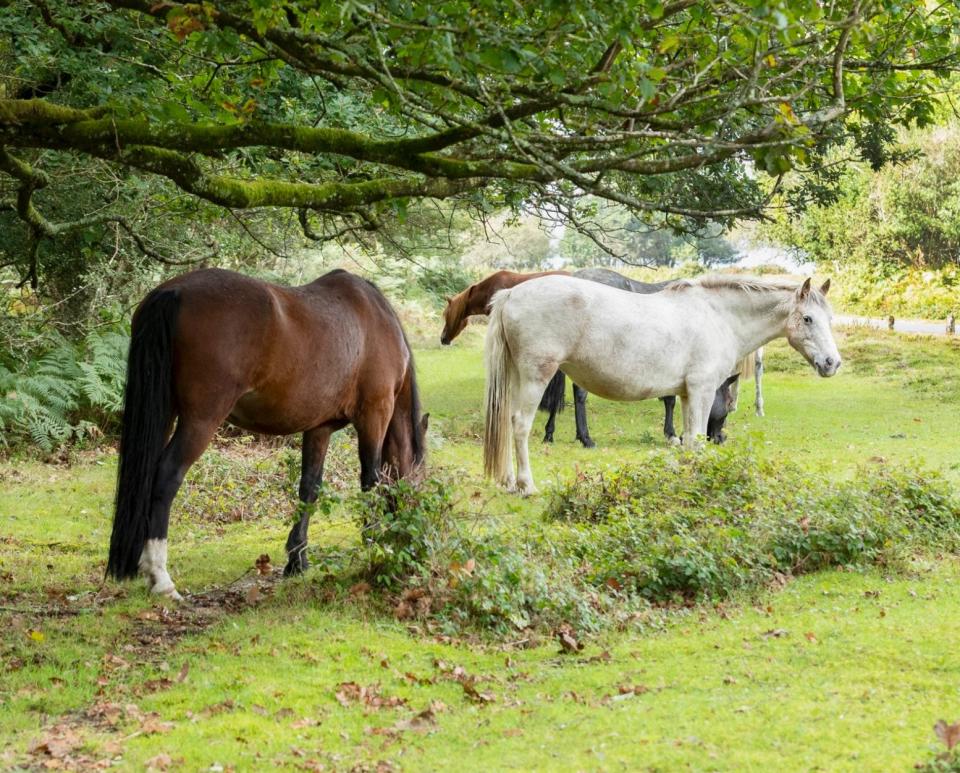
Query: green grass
{"type": "Point", "coordinates": [865, 667]}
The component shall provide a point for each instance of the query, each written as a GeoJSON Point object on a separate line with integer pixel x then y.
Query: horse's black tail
{"type": "Point", "coordinates": [552, 400]}
{"type": "Point", "coordinates": [416, 428]}
{"type": "Point", "coordinates": [148, 412]}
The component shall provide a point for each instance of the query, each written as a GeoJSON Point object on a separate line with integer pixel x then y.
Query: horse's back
{"type": "Point", "coordinates": [285, 358]}
{"type": "Point", "coordinates": [612, 278]}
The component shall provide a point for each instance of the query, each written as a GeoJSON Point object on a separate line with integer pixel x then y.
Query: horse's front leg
{"type": "Point", "coordinates": [758, 380]}
{"type": "Point", "coordinates": [669, 432]}
{"type": "Point", "coordinates": [315, 444]}
{"type": "Point", "coordinates": [696, 414]}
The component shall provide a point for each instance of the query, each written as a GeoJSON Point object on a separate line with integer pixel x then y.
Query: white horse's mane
{"type": "Point", "coordinates": [748, 284]}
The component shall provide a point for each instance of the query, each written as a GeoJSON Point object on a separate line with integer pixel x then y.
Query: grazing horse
{"type": "Point", "coordinates": [213, 346]}
{"type": "Point", "coordinates": [476, 300]}
{"type": "Point", "coordinates": [683, 341]}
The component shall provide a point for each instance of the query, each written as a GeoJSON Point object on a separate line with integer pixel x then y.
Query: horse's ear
{"type": "Point", "coordinates": [424, 423]}
{"type": "Point", "coordinates": [731, 381]}
{"type": "Point", "coordinates": [804, 290]}
{"type": "Point", "coordinates": [825, 287]}
{"type": "Point", "coordinates": [448, 299]}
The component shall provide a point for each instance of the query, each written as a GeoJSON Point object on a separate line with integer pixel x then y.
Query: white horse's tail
{"type": "Point", "coordinates": [748, 367]}
{"type": "Point", "coordinates": [498, 427]}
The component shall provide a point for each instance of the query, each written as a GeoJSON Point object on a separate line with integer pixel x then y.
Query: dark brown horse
{"type": "Point", "coordinates": [213, 346]}
{"type": "Point", "coordinates": [476, 300]}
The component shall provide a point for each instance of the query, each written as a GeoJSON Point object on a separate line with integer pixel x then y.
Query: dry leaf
{"type": "Point", "coordinates": [568, 641]}
{"type": "Point", "coordinates": [469, 685]}
{"type": "Point", "coordinates": [776, 633]}
{"type": "Point", "coordinates": [949, 734]}
{"type": "Point", "coordinates": [160, 762]}
{"type": "Point", "coordinates": [811, 637]}
{"type": "Point", "coordinates": [263, 564]}
{"type": "Point", "coordinates": [182, 675]}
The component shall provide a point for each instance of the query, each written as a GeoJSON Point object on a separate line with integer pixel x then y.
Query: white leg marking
{"type": "Point", "coordinates": [153, 565]}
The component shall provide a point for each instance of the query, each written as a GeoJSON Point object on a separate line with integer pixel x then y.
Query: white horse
{"type": "Point", "coordinates": [682, 341]}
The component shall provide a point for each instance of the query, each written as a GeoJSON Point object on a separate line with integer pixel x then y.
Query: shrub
{"type": "Point", "coordinates": [614, 545]}
{"type": "Point", "coordinates": [702, 526]}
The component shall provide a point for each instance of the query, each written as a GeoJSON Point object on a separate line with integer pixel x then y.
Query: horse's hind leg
{"type": "Point", "coordinates": [525, 400]}
{"type": "Point", "coordinates": [315, 444]}
{"type": "Point", "coordinates": [550, 426]}
{"type": "Point", "coordinates": [580, 416]}
{"type": "Point", "coordinates": [185, 447]}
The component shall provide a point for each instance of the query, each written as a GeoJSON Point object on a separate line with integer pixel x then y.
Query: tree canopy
{"type": "Point", "coordinates": [346, 112]}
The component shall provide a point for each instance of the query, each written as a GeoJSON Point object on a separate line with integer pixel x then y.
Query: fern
{"type": "Point", "coordinates": [67, 393]}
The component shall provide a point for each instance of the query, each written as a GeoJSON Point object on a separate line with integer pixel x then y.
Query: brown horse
{"type": "Point", "coordinates": [476, 300]}
{"type": "Point", "coordinates": [213, 346]}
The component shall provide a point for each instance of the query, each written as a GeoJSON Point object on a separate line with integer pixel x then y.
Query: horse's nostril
{"type": "Point", "coordinates": [829, 361]}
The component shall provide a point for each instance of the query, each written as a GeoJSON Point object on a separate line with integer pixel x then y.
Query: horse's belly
{"type": "Point", "coordinates": [619, 386]}
{"type": "Point", "coordinates": [256, 412]}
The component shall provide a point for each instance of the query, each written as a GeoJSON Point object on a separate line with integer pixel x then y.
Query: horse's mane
{"type": "Point", "coordinates": [748, 284]}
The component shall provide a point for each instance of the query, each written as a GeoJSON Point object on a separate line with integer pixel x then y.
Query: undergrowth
{"type": "Point", "coordinates": [71, 392]}
{"type": "Point", "coordinates": [613, 548]}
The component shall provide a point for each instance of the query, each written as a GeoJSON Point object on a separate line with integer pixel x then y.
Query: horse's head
{"type": "Point", "coordinates": [404, 450]}
{"type": "Point", "coordinates": [455, 316]}
{"type": "Point", "coordinates": [808, 328]}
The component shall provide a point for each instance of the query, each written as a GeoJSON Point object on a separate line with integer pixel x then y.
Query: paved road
{"type": "Point", "coordinates": [921, 326]}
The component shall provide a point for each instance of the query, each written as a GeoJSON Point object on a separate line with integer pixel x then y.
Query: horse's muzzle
{"type": "Point", "coordinates": [827, 366]}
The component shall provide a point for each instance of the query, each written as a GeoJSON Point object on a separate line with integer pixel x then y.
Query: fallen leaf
{"type": "Point", "coordinates": [359, 589]}
{"type": "Point", "coordinates": [160, 762]}
{"type": "Point", "coordinates": [182, 675]}
{"type": "Point", "coordinates": [154, 725]}
{"type": "Point", "coordinates": [469, 685]}
{"type": "Point", "coordinates": [776, 633]}
{"type": "Point", "coordinates": [263, 564]}
{"type": "Point", "coordinates": [811, 637]}
{"type": "Point", "coordinates": [949, 734]}
{"type": "Point", "coordinates": [568, 641]}
{"type": "Point", "coordinates": [57, 743]}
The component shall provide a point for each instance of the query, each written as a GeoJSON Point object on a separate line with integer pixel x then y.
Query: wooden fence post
{"type": "Point", "coordinates": [951, 324]}
{"type": "Point", "coordinates": [890, 321]}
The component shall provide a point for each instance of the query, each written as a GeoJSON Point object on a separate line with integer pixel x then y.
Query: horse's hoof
{"type": "Point", "coordinates": [169, 592]}
{"type": "Point", "coordinates": [548, 438]}
{"type": "Point", "coordinates": [588, 442]}
{"type": "Point", "coordinates": [673, 440]}
{"type": "Point", "coordinates": [293, 568]}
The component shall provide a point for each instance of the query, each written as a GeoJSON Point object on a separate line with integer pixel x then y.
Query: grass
{"type": "Point", "coordinates": [837, 671]}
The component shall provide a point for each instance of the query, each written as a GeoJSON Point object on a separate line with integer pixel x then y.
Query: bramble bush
{"type": "Point", "coordinates": [614, 546]}
{"type": "Point", "coordinates": [703, 526]}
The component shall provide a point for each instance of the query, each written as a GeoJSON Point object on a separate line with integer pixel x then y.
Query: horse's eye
{"type": "Point", "coordinates": [808, 320]}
